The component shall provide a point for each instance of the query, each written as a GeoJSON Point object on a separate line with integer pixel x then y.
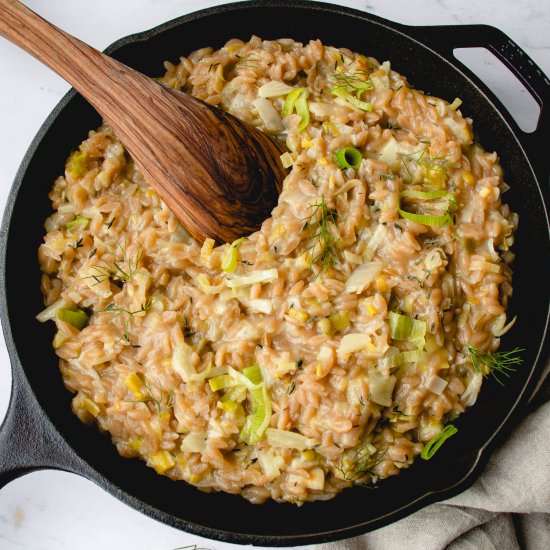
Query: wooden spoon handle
{"type": "Point", "coordinates": [220, 177]}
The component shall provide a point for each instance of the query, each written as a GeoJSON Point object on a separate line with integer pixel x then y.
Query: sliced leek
{"type": "Point", "coordinates": [407, 328]}
{"type": "Point", "coordinates": [435, 442]}
{"type": "Point", "coordinates": [426, 219]}
{"type": "Point", "coordinates": [75, 317]}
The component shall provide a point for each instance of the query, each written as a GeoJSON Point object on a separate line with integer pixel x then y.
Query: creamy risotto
{"type": "Point", "coordinates": [331, 347]}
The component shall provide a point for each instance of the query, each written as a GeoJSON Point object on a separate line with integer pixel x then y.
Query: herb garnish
{"type": "Point", "coordinates": [318, 223]}
{"type": "Point", "coordinates": [77, 244]}
{"type": "Point", "coordinates": [292, 387]}
{"type": "Point", "coordinates": [437, 163]}
{"type": "Point", "coordinates": [500, 363]}
{"type": "Point", "coordinates": [122, 269]}
{"type": "Point", "coordinates": [163, 403]}
{"type": "Point", "coordinates": [359, 462]}
{"type": "Point", "coordinates": [111, 308]}
{"type": "Point", "coordinates": [355, 81]}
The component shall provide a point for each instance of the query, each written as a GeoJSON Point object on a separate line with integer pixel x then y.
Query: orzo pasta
{"type": "Point", "coordinates": [330, 346]}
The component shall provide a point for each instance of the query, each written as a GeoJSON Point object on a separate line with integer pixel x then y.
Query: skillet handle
{"type": "Point", "coordinates": [444, 39]}
{"type": "Point", "coordinates": [29, 441]}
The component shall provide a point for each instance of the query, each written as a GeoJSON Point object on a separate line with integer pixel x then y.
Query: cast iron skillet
{"type": "Point", "coordinates": [41, 432]}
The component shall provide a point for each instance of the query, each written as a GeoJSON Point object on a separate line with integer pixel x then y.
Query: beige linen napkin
{"type": "Point", "coordinates": [507, 508]}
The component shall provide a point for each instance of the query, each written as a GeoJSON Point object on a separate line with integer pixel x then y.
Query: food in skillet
{"type": "Point", "coordinates": [331, 347]}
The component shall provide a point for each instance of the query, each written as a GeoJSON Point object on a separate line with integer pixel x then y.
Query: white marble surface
{"type": "Point", "coordinates": [53, 510]}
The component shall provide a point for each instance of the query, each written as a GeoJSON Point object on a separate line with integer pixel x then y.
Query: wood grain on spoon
{"type": "Point", "coordinates": [220, 177]}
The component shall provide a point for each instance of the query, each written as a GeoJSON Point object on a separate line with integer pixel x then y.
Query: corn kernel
{"type": "Point", "coordinates": [468, 178]}
{"type": "Point", "coordinates": [227, 406]}
{"type": "Point", "coordinates": [382, 284]}
{"type": "Point", "coordinates": [323, 161]}
{"type": "Point", "coordinates": [206, 249]}
{"type": "Point", "coordinates": [136, 443]}
{"type": "Point", "coordinates": [303, 260]}
{"type": "Point", "coordinates": [89, 406]}
{"type": "Point", "coordinates": [135, 384]}
{"type": "Point", "coordinates": [307, 142]}
{"type": "Point", "coordinates": [330, 127]}
{"type": "Point", "coordinates": [325, 326]}
{"type": "Point", "coordinates": [484, 192]}
{"type": "Point", "coordinates": [195, 478]}
{"type": "Point", "coordinates": [298, 314]}
{"type": "Point", "coordinates": [371, 310]}
{"type": "Point", "coordinates": [287, 160]}
{"type": "Point", "coordinates": [309, 454]}
{"type": "Point", "coordinates": [319, 370]}
{"type": "Point", "coordinates": [339, 320]}
{"type": "Point", "coordinates": [435, 176]}
{"type": "Point", "coordinates": [162, 461]}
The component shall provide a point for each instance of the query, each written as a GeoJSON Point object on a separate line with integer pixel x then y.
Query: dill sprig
{"type": "Point", "coordinates": [437, 163]}
{"type": "Point", "coordinates": [353, 82]}
{"type": "Point", "coordinates": [247, 62]}
{"type": "Point", "coordinates": [111, 308]}
{"type": "Point", "coordinates": [359, 462]}
{"type": "Point", "coordinates": [498, 364]}
{"type": "Point", "coordinates": [123, 268]}
{"type": "Point", "coordinates": [318, 223]}
{"type": "Point", "coordinates": [163, 403]}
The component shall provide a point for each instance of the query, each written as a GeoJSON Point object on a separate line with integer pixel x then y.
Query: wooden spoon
{"type": "Point", "coordinates": [220, 177]}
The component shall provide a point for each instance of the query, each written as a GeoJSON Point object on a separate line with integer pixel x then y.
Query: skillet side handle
{"type": "Point", "coordinates": [444, 39]}
{"type": "Point", "coordinates": [28, 440]}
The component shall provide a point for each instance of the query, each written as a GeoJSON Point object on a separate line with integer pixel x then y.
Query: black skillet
{"type": "Point", "coordinates": [41, 432]}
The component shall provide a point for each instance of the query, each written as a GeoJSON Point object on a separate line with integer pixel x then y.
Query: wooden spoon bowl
{"type": "Point", "coordinates": [219, 176]}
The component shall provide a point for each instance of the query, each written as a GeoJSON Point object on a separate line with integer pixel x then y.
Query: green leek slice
{"type": "Point", "coordinates": [221, 382]}
{"type": "Point", "coordinates": [407, 328]}
{"type": "Point", "coordinates": [435, 442]}
{"type": "Point", "coordinates": [352, 100]}
{"type": "Point", "coordinates": [75, 317]}
{"type": "Point", "coordinates": [302, 110]}
{"type": "Point", "coordinates": [79, 221]}
{"type": "Point", "coordinates": [348, 157]}
{"type": "Point", "coordinates": [430, 195]}
{"type": "Point", "coordinates": [297, 101]}
{"type": "Point", "coordinates": [257, 422]}
{"type": "Point", "coordinates": [433, 221]}
{"type": "Point", "coordinates": [231, 256]}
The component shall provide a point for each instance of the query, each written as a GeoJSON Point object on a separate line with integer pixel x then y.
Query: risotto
{"type": "Point", "coordinates": [329, 348]}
